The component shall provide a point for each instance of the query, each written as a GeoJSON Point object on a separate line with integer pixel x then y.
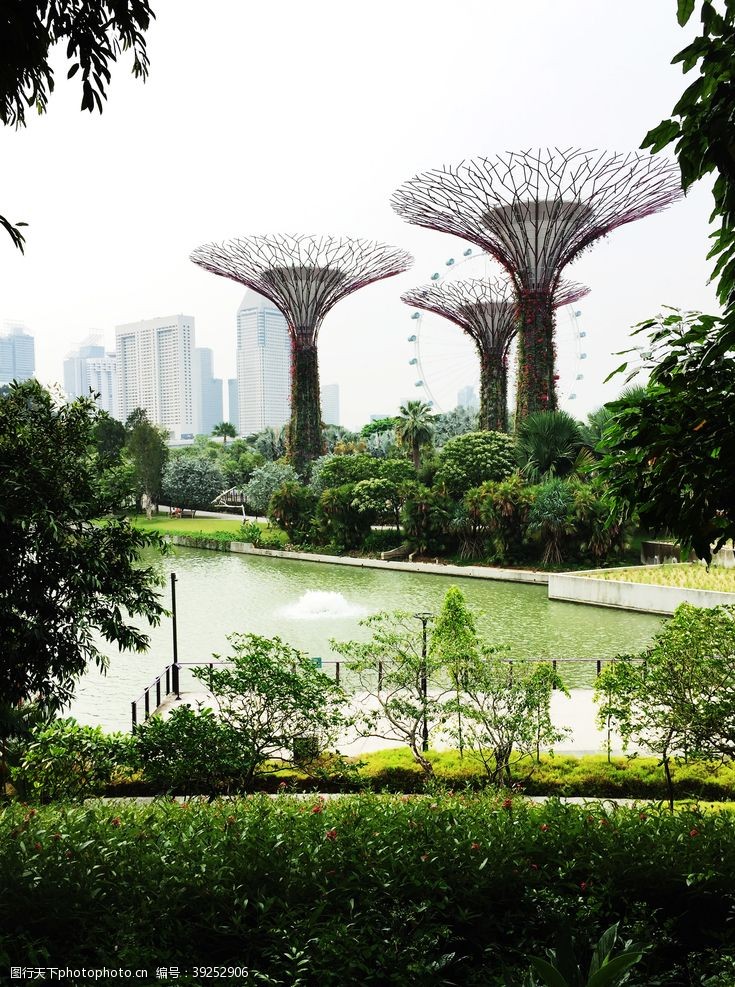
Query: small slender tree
{"type": "Point", "coordinates": [391, 671]}
{"type": "Point", "coordinates": [456, 645]}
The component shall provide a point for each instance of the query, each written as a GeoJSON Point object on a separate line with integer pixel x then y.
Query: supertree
{"type": "Point", "coordinates": [534, 212]}
{"type": "Point", "coordinates": [486, 309]}
{"type": "Point", "coordinates": [304, 277]}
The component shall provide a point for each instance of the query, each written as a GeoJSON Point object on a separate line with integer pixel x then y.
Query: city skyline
{"type": "Point", "coordinates": [129, 260]}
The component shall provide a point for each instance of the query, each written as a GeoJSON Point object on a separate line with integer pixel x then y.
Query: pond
{"type": "Point", "coordinates": [218, 593]}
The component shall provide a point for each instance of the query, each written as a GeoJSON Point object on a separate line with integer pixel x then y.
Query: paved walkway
{"type": "Point", "coordinates": [575, 714]}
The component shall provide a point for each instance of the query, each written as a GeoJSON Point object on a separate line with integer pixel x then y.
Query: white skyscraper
{"type": "Point", "coordinates": [330, 404]}
{"type": "Point", "coordinates": [207, 392]}
{"type": "Point", "coordinates": [154, 365]}
{"type": "Point", "coordinates": [233, 413]}
{"type": "Point", "coordinates": [17, 354]}
{"type": "Point", "coordinates": [263, 365]}
{"type": "Point", "coordinates": [91, 369]}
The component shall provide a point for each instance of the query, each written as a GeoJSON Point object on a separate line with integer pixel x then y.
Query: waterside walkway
{"type": "Point", "coordinates": [575, 714]}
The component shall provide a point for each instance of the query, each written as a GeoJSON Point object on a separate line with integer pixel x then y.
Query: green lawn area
{"type": "Point", "coordinates": [195, 526]}
{"type": "Point", "coordinates": [685, 575]}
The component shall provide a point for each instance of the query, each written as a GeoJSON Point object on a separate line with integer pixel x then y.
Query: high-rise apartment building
{"type": "Point", "coordinates": [263, 365]}
{"type": "Point", "coordinates": [330, 404]}
{"type": "Point", "coordinates": [154, 371]}
{"type": "Point", "coordinates": [207, 392]}
{"type": "Point", "coordinates": [233, 411]}
{"type": "Point", "coordinates": [90, 369]}
{"type": "Point", "coordinates": [17, 354]}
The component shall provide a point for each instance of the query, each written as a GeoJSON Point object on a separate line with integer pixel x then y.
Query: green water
{"type": "Point", "coordinates": [218, 593]}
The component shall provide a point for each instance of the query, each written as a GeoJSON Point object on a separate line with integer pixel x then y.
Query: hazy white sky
{"type": "Point", "coordinates": [303, 116]}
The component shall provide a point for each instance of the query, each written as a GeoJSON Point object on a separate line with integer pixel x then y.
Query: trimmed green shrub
{"type": "Point", "coordinates": [66, 761]}
{"type": "Point", "coordinates": [445, 889]}
{"type": "Point", "coordinates": [468, 460]}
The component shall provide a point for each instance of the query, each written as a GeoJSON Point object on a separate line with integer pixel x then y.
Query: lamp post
{"type": "Point", "coordinates": [424, 618]}
{"type": "Point", "coordinates": [175, 666]}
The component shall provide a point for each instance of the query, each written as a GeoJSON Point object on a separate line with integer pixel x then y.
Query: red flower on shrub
{"type": "Point", "coordinates": [37, 846]}
{"type": "Point", "coordinates": [475, 846]}
{"type": "Point", "coordinates": [507, 803]}
{"type": "Point", "coordinates": [318, 807]}
{"type": "Point", "coordinates": [694, 832]}
{"type": "Point", "coordinates": [583, 886]}
{"type": "Point", "coordinates": [604, 822]}
{"type": "Point", "coordinates": [424, 857]}
{"type": "Point", "coordinates": [331, 834]}
{"type": "Point", "coordinates": [115, 822]}
{"type": "Point", "coordinates": [533, 866]}
{"type": "Point", "coordinates": [544, 827]}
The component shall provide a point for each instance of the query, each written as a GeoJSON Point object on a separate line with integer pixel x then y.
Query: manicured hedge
{"type": "Point", "coordinates": [370, 890]}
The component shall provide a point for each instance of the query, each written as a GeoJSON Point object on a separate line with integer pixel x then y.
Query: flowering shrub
{"type": "Point", "coordinates": [369, 889]}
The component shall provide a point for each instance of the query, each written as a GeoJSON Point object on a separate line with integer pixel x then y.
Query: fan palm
{"type": "Point", "coordinates": [225, 430]}
{"type": "Point", "coordinates": [547, 444]}
{"type": "Point", "coordinates": [415, 428]}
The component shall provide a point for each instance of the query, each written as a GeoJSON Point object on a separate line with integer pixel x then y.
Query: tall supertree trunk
{"type": "Point", "coordinates": [493, 393]}
{"type": "Point", "coordinates": [536, 389]}
{"type": "Point", "coordinates": [305, 429]}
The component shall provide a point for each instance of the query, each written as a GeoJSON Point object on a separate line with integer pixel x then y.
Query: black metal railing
{"type": "Point", "coordinates": [166, 684]}
{"type": "Point", "coordinates": [169, 681]}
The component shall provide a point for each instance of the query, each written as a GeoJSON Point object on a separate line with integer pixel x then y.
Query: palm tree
{"type": "Point", "coordinates": [547, 444]}
{"type": "Point", "coordinates": [592, 431]}
{"type": "Point", "coordinates": [415, 428]}
{"type": "Point", "coordinates": [225, 430]}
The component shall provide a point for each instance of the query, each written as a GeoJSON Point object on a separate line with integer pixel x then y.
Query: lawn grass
{"type": "Point", "coordinates": [683, 575]}
{"type": "Point", "coordinates": [191, 526]}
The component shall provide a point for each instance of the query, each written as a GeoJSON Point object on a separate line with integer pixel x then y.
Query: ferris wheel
{"type": "Point", "coordinates": [444, 359]}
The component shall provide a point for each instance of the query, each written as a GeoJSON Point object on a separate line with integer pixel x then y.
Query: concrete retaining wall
{"type": "Point", "coordinates": [428, 568]}
{"type": "Point", "coordinates": [583, 588]}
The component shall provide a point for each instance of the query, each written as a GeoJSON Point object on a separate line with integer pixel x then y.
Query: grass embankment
{"type": "Point", "coordinates": [588, 776]}
{"type": "Point", "coordinates": [394, 771]}
{"type": "Point", "coordinates": [684, 575]}
{"type": "Point", "coordinates": [373, 890]}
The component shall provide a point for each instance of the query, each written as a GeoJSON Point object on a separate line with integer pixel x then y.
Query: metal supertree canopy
{"type": "Point", "coordinates": [534, 212]}
{"type": "Point", "coordinates": [304, 276]}
{"type": "Point", "coordinates": [486, 309]}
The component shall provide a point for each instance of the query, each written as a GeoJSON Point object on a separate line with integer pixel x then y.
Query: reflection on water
{"type": "Point", "coordinates": [218, 593]}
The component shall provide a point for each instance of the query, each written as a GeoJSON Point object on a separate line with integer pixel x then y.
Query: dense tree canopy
{"type": "Point", "coordinates": [70, 562]}
{"type": "Point", "coordinates": [148, 452]}
{"type": "Point", "coordinates": [468, 460]}
{"type": "Point", "coordinates": [192, 483]}
{"type": "Point", "coordinates": [671, 445]}
{"type": "Point", "coordinates": [701, 128]}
